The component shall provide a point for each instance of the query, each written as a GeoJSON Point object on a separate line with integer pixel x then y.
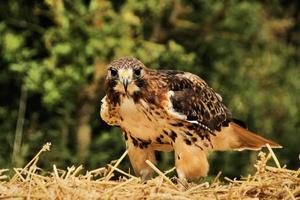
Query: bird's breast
{"type": "Point", "coordinates": [131, 113]}
{"type": "Point", "coordinates": [140, 119]}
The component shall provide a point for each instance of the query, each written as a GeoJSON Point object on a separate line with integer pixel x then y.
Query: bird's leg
{"type": "Point", "coordinates": [138, 156]}
{"type": "Point", "coordinates": [182, 180]}
{"type": "Point", "coordinates": [190, 161]}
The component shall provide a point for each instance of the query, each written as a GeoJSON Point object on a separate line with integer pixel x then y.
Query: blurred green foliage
{"type": "Point", "coordinates": [248, 51]}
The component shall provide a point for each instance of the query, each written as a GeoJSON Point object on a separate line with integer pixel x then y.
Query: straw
{"type": "Point", "coordinates": [273, 155]}
{"type": "Point", "coordinates": [266, 183]}
{"type": "Point", "coordinates": [116, 165]}
{"type": "Point", "coordinates": [160, 173]}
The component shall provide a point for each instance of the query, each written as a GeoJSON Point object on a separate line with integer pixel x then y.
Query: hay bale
{"type": "Point", "coordinates": [29, 182]}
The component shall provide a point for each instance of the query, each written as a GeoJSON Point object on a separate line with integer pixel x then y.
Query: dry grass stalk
{"type": "Point", "coordinates": [46, 147]}
{"type": "Point", "coordinates": [160, 173]}
{"type": "Point", "coordinates": [122, 172]}
{"type": "Point", "coordinates": [29, 182]}
{"type": "Point", "coordinates": [273, 156]}
{"type": "Point", "coordinates": [116, 165]}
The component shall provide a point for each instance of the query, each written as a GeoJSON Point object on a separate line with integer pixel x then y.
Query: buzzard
{"type": "Point", "coordinates": [166, 110]}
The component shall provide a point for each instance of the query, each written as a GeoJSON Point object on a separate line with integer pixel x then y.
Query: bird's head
{"type": "Point", "coordinates": [126, 75]}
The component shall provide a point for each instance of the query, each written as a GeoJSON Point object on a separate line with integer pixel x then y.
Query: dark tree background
{"type": "Point", "coordinates": [53, 56]}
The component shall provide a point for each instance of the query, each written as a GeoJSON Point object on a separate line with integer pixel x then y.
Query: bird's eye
{"type": "Point", "coordinates": [137, 71]}
{"type": "Point", "coordinates": [113, 72]}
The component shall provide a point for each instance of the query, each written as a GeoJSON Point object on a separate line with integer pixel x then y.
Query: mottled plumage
{"type": "Point", "coordinates": [165, 110]}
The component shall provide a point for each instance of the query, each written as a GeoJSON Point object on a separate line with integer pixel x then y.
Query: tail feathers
{"type": "Point", "coordinates": [238, 138]}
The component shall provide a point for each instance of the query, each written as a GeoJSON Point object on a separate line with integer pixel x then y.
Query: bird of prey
{"type": "Point", "coordinates": [167, 110]}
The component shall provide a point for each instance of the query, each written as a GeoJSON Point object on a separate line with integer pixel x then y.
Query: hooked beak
{"type": "Point", "coordinates": [125, 77]}
{"type": "Point", "coordinates": [125, 84]}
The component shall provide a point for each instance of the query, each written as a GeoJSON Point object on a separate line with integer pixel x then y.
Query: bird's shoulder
{"type": "Point", "coordinates": [178, 80]}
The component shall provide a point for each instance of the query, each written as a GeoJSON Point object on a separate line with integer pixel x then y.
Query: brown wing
{"type": "Point", "coordinates": [197, 101]}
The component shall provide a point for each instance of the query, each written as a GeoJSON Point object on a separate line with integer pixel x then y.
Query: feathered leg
{"type": "Point", "coordinates": [190, 160]}
{"type": "Point", "coordinates": [138, 157]}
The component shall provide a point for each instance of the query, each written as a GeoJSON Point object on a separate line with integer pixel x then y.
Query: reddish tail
{"type": "Point", "coordinates": [235, 137]}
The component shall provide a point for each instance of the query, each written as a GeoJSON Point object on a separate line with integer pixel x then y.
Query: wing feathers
{"type": "Point", "coordinates": [192, 97]}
